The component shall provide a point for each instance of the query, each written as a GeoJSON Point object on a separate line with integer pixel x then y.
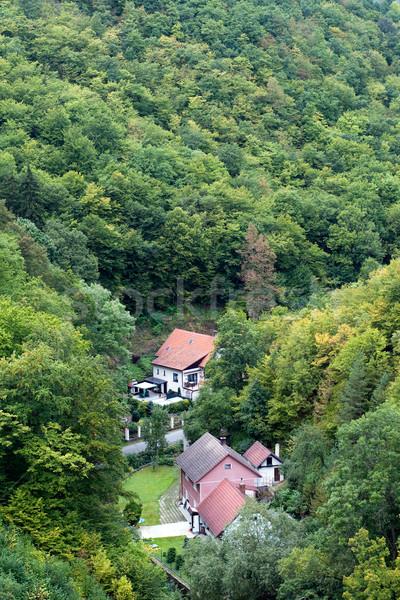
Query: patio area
{"type": "Point", "coordinates": [156, 398]}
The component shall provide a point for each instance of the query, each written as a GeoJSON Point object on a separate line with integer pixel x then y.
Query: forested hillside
{"type": "Point", "coordinates": [63, 357]}
{"type": "Point", "coordinates": [324, 382]}
{"type": "Point", "coordinates": [146, 142]}
{"type": "Point", "coordinates": [142, 139]}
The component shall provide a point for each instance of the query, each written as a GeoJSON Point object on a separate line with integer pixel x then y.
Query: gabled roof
{"type": "Point", "coordinates": [182, 349]}
{"type": "Point", "coordinates": [205, 454]}
{"type": "Point", "coordinates": [221, 506]}
{"type": "Point", "coordinates": [257, 453]}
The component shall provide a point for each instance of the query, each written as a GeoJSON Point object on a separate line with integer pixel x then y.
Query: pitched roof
{"type": "Point", "coordinates": [183, 349]}
{"type": "Point", "coordinates": [221, 506]}
{"type": "Point", "coordinates": [205, 454]}
{"type": "Point", "coordinates": [257, 453]}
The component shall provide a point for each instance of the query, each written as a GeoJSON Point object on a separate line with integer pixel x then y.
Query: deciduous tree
{"type": "Point", "coordinates": [258, 273]}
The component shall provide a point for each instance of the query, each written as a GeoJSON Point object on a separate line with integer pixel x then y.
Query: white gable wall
{"type": "Point", "coordinates": [267, 472]}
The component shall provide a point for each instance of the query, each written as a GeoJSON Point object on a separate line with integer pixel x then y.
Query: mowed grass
{"type": "Point", "coordinates": [168, 542]}
{"type": "Point", "coordinates": [164, 544]}
{"type": "Point", "coordinates": [150, 484]}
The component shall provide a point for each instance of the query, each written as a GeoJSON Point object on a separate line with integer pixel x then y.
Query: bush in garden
{"type": "Point", "coordinates": [133, 511]}
{"type": "Point", "coordinates": [171, 555]}
{"type": "Point", "coordinates": [179, 561]}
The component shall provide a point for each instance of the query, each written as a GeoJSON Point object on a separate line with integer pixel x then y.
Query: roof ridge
{"type": "Point", "coordinates": [190, 331]}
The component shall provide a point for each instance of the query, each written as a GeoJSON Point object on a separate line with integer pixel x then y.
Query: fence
{"type": "Point", "coordinates": [180, 581]}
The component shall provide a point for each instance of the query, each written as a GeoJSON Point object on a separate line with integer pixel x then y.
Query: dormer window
{"type": "Point", "coordinates": [168, 348]}
{"type": "Point", "coordinates": [191, 341]}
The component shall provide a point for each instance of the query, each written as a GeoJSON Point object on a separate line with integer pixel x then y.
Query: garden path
{"type": "Point", "coordinates": [166, 530]}
{"type": "Point", "coordinates": [169, 511]}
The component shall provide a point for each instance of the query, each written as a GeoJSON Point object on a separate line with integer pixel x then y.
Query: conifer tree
{"type": "Point", "coordinates": [29, 202]}
{"type": "Point", "coordinates": [354, 397]}
{"type": "Point", "coordinates": [9, 190]}
{"type": "Point", "coordinates": [379, 393]}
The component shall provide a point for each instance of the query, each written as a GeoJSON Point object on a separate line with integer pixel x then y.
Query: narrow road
{"type": "Point", "coordinates": [172, 437]}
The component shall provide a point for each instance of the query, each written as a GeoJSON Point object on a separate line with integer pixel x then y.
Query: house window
{"type": "Point", "coordinates": [175, 377]}
{"type": "Point", "coordinates": [187, 495]}
{"type": "Point", "coordinates": [269, 461]}
{"type": "Point", "coordinates": [192, 378]}
{"type": "Point", "coordinates": [195, 487]}
{"type": "Point", "coordinates": [164, 373]}
{"type": "Point", "coordinates": [186, 477]}
{"type": "Point", "coordinates": [228, 466]}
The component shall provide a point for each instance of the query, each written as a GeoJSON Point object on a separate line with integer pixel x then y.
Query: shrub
{"type": "Point", "coordinates": [166, 460]}
{"type": "Point", "coordinates": [136, 416]}
{"type": "Point", "coordinates": [174, 449]}
{"type": "Point", "coordinates": [179, 561]}
{"type": "Point", "coordinates": [171, 555]}
{"type": "Point", "coordinates": [132, 428]}
{"type": "Point", "coordinates": [137, 460]}
{"type": "Point", "coordinates": [179, 407]}
{"type": "Point", "coordinates": [133, 510]}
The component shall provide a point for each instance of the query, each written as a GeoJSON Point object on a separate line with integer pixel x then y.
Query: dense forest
{"type": "Point", "coordinates": [205, 149]}
{"type": "Point", "coordinates": [324, 381]}
{"type": "Point", "coordinates": [142, 139]}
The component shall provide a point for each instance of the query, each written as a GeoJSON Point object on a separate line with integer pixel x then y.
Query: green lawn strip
{"type": "Point", "coordinates": [163, 545]}
{"type": "Point", "coordinates": [150, 484]}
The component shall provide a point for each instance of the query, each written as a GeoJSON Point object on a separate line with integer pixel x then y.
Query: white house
{"type": "Point", "coordinates": [180, 362]}
{"type": "Point", "coordinates": [266, 462]}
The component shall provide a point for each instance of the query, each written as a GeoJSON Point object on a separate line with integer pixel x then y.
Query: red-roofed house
{"type": "Point", "coordinates": [207, 462]}
{"type": "Point", "coordinates": [266, 462]}
{"type": "Point", "coordinates": [215, 480]}
{"type": "Point", "coordinates": [180, 362]}
{"type": "Point", "coordinates": [219, 508]}
{"type": "Point", "coordinates": [203, 467]}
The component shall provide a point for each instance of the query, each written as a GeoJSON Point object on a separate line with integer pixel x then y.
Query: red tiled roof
{"type": "Point", "coordinates": [183, 349]}
{"type": "Point", "coordinates": [179, 358]}
{"type": "Point", "coordinates": [221, 506]}
{"type": "Point", "coordinates": [204, 454]}
{"type": "Point", "coordinates": [257, 453]}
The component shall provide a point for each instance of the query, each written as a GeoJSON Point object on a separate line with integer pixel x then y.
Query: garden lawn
{"type": "Point", "coordinates": [150, 484]}
{"type": "Point", "coordinates": [165, 543]}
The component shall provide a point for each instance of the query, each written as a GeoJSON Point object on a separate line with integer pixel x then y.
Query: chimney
{"type": "Point", "coordinates": [242, 486]}
{"type": "Point", "coordinates": [277, 450]}
{"type": "Point", "coordinates": [222, 439]}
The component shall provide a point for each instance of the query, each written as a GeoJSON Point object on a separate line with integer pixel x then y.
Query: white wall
{"type": "Point", "coordinates": [171, 384]}
{"type": "Point", "coordinates": [268, 472]}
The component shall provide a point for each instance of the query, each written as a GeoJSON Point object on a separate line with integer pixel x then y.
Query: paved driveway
{"type": "Point", "coordinates": [166, 530]}
{"type": "Point", "coordinates": [172, 437]}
